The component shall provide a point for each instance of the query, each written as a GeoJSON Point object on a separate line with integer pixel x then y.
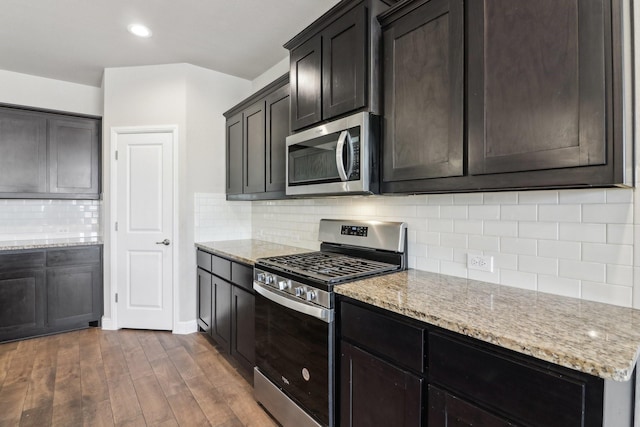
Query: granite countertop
{"type": "Point", "coordinates": [17, 245]}
{"type": "Point", "coordinates": [595, 338]}
{"type": "Point", "coordinates": [249, 250]}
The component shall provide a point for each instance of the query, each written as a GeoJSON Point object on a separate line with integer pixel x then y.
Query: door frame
{"type": "Point", "coordinates": [113, 210]}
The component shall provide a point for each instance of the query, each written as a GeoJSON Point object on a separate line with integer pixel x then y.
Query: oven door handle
{"type": "Point", "coordinates": [318, 312]}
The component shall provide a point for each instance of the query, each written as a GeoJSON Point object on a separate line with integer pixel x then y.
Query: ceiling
{"type": "Point", "coordinates": [75, 40]}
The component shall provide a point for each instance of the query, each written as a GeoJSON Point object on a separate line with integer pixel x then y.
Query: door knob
{"type": "Point", "coordinates": [165, 242]}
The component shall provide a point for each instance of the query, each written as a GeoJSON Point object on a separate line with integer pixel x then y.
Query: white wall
{"type": "Point", "coordinates": [193, 99]}
{"type": "Point", "coordinates": [270, 75]}
{"type": "Point", "coordinates": [40, 92]}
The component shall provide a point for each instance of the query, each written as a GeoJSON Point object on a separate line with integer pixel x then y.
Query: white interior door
{"type": "Point", "coordinates": [144, 235]}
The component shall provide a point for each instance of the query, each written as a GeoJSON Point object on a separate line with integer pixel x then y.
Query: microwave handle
{"type": "Point", "coordinates": [342, 140]}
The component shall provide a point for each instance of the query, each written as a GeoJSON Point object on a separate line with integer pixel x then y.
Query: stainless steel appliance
{"type": "Point", "coordinates": [294, 378]}
{"type": "Point", "coordinates": [340, 157]}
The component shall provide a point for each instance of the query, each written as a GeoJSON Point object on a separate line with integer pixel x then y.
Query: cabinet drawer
{"type": "Point", "coordinates": [204, 260]}
{"type": "Point", "coordinates": [530, 394]}
{"type": "Point", "coordinates": [398, 342]}
{"type": "Point", "coordinates": [84, 255]}
{"type": "Point", "coordinates": [242, 276]}
{"type": "Point", "coordinates": [221, 267]}
{"type": "Point", "coordinates": [21, 261]}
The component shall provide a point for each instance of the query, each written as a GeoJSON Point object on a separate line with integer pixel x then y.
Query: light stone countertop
{"type": "Point", "coordinates": [595, 338]}
{"type": "Point", "coordinates": [17, 245]}
{"type": "Point", "coordinates": [249, 250]}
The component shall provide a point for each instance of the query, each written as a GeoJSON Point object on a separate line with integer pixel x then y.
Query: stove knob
{"type": "Point", "coordinates": [269, 279]}
{"type": "Point", "coordinates": [311, 295]}
{"type": "Point", "coordinates": [260, 277]}
{"type": "Point", "coordinates": [299, 291]}
{"type": "Point", "coordinates": [283, 285]}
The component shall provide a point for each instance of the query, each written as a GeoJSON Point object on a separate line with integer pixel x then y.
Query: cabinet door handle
{"type": "Point", "coordinates": [165, 242]}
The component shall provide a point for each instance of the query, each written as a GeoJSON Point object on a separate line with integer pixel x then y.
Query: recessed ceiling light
{"type": "Point", "coordinates": [139, 30]}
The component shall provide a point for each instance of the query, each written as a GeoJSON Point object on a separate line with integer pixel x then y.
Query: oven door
{"type": "Point", "coordinates": [294, 348]}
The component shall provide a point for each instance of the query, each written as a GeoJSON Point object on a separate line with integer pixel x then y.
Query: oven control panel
{"type": "Point", "coordinates": [354, 230]}
{"type": "Point", "coordinates": [292, 288]}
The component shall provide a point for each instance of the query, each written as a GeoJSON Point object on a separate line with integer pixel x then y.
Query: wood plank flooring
{"type": "Point", "coordinates": [123, 378]}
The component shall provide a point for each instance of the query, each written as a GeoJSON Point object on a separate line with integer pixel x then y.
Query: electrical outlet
{"type": "Point", "coordinates": [480, 262]}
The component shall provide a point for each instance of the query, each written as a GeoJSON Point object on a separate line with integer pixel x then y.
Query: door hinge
{"type": "Point", "coordinates": [116, 154]}
{"type": "Point", "coordinates": [116, 225]}
{"type": "Point", "coordinates": [116, 297]}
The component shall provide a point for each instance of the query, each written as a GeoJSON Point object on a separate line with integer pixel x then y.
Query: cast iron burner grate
{"type": "Point", "coordinates": [328, 266]}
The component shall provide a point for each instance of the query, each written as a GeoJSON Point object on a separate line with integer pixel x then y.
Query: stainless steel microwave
{"type": "Point", "coordinates": [336, 158]}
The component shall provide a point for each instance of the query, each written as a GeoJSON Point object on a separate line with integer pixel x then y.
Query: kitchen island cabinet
{"type": "Point", "coordinates": [497, 94]}
{"type": "Point", "coordinates": [44, 291]}
{"type": "Point", "coordinates": [491, 355]}
{"type": "Point", "coordinates": [45, 155]}
{"type": "Point", "coordinates": [256, 132]}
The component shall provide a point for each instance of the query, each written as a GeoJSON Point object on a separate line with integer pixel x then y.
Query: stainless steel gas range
{"type": "Point", "coordinates": [295, 334]}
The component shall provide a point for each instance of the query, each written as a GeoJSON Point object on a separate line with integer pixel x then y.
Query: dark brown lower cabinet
{"type": "Point", "coordinates": [221, 312]}
{"type": "Point", "coordinates": [226, 305]}
{"type": "Point", "coordinates": [376, 393]}
{"type": "Point", "coordinates": [243, 346]}
{"type": "Point", "coordinates": [448, 410]}
{"type": "Point", "coordinates": [204, 300]}
{"type": "Point", "coordinates": [49, 290]}
{"type": "Point", "coordinates": [461, 381]}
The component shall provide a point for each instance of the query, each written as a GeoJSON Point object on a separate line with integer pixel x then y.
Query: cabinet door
{"type": "Point", "coordinates": [234, 155]}
{"type": "Point", "coordinates": [74, 156]}
{"type": "Point", "coordinates": [221, 312]}
{"type": "Point", "coordinates": [22, 303]}
{"type": "Point", "coordinates": [23, 152]}
{"type": "Point", "coordinates": [204, 300]}
{"type": "Point", "coordinates": [243, 346]}
{"type": "Point", "coordinates": [537, 84]}
{"type": "Point", "coordinates": [278, 128]}
{"type": "Point", "coordinates": [376, 393]}
{"type": "Point", "coordinates": [423, 93]}
{"type": "Point", "coordinates": [344, 69]}
{"type": "Point", "coordinates": [254, 148]}
{"type": "Point", "coordinates": [306, 83]}
{"type": "Point", "coordinates": [73, 295]}
{"type": "Point", "coordinates": [446, 410]}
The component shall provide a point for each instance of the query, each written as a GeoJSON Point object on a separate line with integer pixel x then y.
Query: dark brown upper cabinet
{"type": "Point", "coordinates": [48, 156]}
{"type": "Point", "coordinates": [256, 134]}
{"type": "Point", "coordinates": [542, 105]}
{"type": "Point", "coordinates": [334, 63]}
{"type": "Point", "coordinates": [424, 92]}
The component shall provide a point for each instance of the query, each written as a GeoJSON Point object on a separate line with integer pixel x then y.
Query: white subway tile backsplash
{"type": "Point", "coordinates": [518, 246]}
{"type": "Point", "coordinates": [595, 195]}
{"type": "Point", "coordinates": [596, 233]}
{"type": "Point", "coordinates": [620, 234]}
{"type": "Point", "coordinates": [537, 197]}
{"type": "Point", "coordinates": [607, 254]}
{"type": "Point", "coordinates": [620, 275]}
{"type": "Point", "coordinates": [519, 279]}
{"type": "Point", "coordinates": [501, 228]}
{"type": "Point", "coordinates": [559, 286]}
{"type": "Point", "coordinates": [554, 241]}
{"type": "Point", "coordinates": [608, 293]}
{"type": "Point", "coordinates": [611, 213]}
{"type": "Point", "coordinates": [519, 212]}
{"type": "Point", "coordinates": [538, 265]}
{"type": "Point", "coordinates": [560, 213]}
{"type": "Point", "coordinates": [538, 230]}
{"type": "Point", "coordinates": [49, 219]}
{"type": "Point", "coordinates": [559, 249]}
{"type": "Point", "coordinates": [582, 270]}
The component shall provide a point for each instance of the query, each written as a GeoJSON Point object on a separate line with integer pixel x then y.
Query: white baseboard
{"type": "Point", "coordinates": [188, 327]}
{"type": "Point", "coordinates": [107, 324]}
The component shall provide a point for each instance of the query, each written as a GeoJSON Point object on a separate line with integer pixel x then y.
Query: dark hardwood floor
{"type": "Point", "coordinates": [123, 378]}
